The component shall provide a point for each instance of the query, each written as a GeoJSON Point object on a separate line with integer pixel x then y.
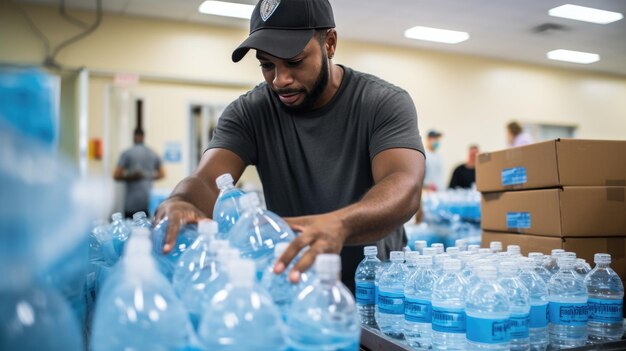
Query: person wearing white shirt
{"type": "Point", "coordinates": [516, 135]}
{"type": "Point", "coordinates": [434, 179]}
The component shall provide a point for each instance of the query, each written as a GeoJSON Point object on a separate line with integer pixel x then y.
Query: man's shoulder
{"type": "Point", "coordinates": [372, 83]}
{"type": "Point", "coordinates": [260, 94]}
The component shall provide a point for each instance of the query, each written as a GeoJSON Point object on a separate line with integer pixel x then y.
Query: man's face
{"type": "Point", "coordinates": [471, 157]}
{"type": "Point", "coordinates": [300, 81]}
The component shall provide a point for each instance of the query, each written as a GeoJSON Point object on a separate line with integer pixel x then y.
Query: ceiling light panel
{"type": "Point", "coordinates": [227, 9]}
{"type": "Point", "coordinates": [586, 14]}
{"type": "Point", "coordinates": [573, 56]}
{"type": "Point", "coordinates": [436, 35]}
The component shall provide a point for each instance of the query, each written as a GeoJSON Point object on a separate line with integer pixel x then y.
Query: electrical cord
{"type": "Point", "coordinates": [71, 19]}
{"type": "Point", "coordinates": [33, 27]}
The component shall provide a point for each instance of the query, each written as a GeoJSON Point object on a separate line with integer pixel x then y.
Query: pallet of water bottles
{"type": "Point", "coordinates": [472, 298]}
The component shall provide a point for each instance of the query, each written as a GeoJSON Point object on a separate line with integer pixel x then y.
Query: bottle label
{"type": "Point", "coordinates": [448, 320]}
{"type": "Point", "coordinates": [514, 176]}
{"type": "Point", "coordinates": [375, 293]}
{"type": "Point", "coordinates": [417, 310]}
{"type": "Point", "coordinates": [539, 316]}
{"type": "Point", "coordinates": [365, 292]}
{"type": "Point", "coordinates": [390, 302]}
{"type": "Point", "coordinates": [487, 330]}
{"type": "Point", "coordinates": [605, 311]}
{"type": "Point", "coordinates": [568, 313]}
{"type": "Point", "coordinates": [519, 325]}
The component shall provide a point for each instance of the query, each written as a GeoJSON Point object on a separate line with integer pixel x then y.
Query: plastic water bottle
{"type": "Point", "coordinates": [484, 253]}
{"type": "Point", "coordinates": [448, 298]}
{"type": "Point", "coordinates": [420, 245]}
{"type": "Point", "coordinates": [138, 309]}
{"type": "Point", "coordinates": [198, 257]}
{"type": "Point", "coordinates": [364, 280]}
{"type": "Point", "coordinates": [538, 259]}
{"type": "Point", "coordinates": [488, 312]}
{"type": "Point", "coordinates": [429, 251]}
{"type": "Point", "coordinates": [384, 265]}
{"type": "Point", "coordinates": [187, 235]}
{"type": "Point", "coordinates": [582, 268]}
{"type": "Point", "coordinates": [606, 294]}
{"type": "Point", "coordinates": [439, 261]}
{"type": "Point", "coordinates": [438, 247]}
{"type": "Point", "coordinates": [461, 244]}
{"type": "Point", "coordinates": [418, 304]}
{"type": "Point", "coordinates": [453, 251]}
{"type": "Point", "coordinates": [324, 315]}
{"type": "Point", "coordinates": [410, 258]}
{"type": "Point", "coordinates": [519, 302]}
{"type": "Point", "coordinates": [391, 297]}
{"type": "Point", "coordinates": [241, 316]}
{"type": "Point", "coordinates": [473, 248]}
{"type": "Point", "coordinates": [538, 290]}
{"type": "Point", "coordinates": [257, 232]}
{"type": "Point", "coordinates": [568, 306]}
{"type": "Point", "coordinates": [119, 232]}
{"type": "Point", "coordinates": [552, 264]}
{"type": "Point", "coordinates": [514, 251]}
{"type": "Point", "coordinates": [226, 211]}
{"type": "Point", "coordinates": [281, 290]}
{"type": "Point", "coordinates": [140, 219]}
{"type": "Point", "coordinates": [495, 246]}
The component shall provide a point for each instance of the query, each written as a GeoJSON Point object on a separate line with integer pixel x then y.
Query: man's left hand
{"type": "Point", "coordinates": [323, 233]}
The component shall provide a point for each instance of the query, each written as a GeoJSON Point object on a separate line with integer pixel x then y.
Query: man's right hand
{"type": "Point", "coordinates": [179, 213]}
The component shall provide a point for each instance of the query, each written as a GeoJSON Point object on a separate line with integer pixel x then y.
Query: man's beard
{"type": "Point", "coordinates": [311, 97]}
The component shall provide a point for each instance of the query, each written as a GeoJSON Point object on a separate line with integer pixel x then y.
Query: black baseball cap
{"type": "Point", "coordinates": [282, 28]}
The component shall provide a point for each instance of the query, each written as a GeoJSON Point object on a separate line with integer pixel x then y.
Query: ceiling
{"type": "Point", "coordinates": [502, 29]}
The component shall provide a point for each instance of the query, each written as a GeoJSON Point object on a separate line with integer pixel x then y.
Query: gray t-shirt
{"type": "Point", "coordinates": [321, 161]}
{"type": "Point", "coordinates": [139, 158]}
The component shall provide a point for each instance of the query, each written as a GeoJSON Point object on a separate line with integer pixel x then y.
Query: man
{"type": "Point", "coordinates": [338, 151]}
{"type": "Point", "coordinates": [464, 176]}
{"type": "Point", "coordinates": [434, 179]}
{"type": "Point", "coordinates": [138, 167]}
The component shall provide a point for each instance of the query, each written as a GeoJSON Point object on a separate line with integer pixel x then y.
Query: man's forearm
{"type": "Point", "coordinates": [196, 192]}
{"type": "Point", "coordinates": [385, 207]}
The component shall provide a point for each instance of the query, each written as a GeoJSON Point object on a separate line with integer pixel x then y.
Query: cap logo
{"type": "Point", "coordinates": [267, 8]}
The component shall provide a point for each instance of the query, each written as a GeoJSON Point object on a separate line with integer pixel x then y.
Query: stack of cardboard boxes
{"type": "Point", "coordinates": [567, 194]}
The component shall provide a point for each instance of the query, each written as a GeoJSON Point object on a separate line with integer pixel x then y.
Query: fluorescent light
{"type": "Point", "coordinates": [587, 14]}
{"type": "Point", "coordinates": [435, 34]}
{"type": "Point", "coordinates": [228, 9]}
{"type": "Point", "coordinates": [573, 56]}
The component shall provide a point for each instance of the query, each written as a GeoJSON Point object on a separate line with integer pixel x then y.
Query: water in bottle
{"type": "Point", "coordinates": [257, 232]}
{"type": "Point", "coordinates": [519, 302]}
{"type": "Point", "coordinates": [241, 316]}
{"type": "Point", "coordinates": [324, 315]}
{"type": "Point", "coordinates": [538, 290]}
{"type": "Point", "coordinates": [488, 313]}
{"type": "Point", "coordinates": [391, 297]}
{"type": "Point", "coordinates": [226, 211]}
{"type": "Point", "coordinates": [138, 309]}
{"type": "Point", "coordinates": [379, 273]}
{"type": "Point", "coordinates": [606, 294]}
{"type": "Point", "coordinates": [448, 314]}
{"type": "Point", "coordinates": [538, 260]}
{"type": "Point", "coordinates": [418, 304]}
{"type": "Point", "coordinates": [199, 255]}
{"type": "Point", "coordinates": [187, 235]}
{"type": "Point", "coordinates": [365, 291]}
{"type": "Point", "coordinates": [567, 307]}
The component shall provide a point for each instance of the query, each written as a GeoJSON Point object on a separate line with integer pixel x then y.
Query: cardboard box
{"type": "Point", "coordinates": [566, 212]}
{"type": "Point", "coordinates": [556, 163]}
{"type": "Point", "coordinates": [583, 247]}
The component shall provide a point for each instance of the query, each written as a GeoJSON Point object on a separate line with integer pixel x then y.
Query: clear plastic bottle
{"type": "Point", "coordinates": [439, 260]}
{"type": "Point", "coordinates": [606, 294]}
{"type": "Point", "coordinates": [119, 232]}
{"type": "Point", "coordinates": [582, 268]}
{"type": "Point", "coordinates": [242, 316]}
{"type": "Point", "coordinates": [384, 265]}
{"type": "Point", "coordinates": [448, 314]}
{"type": "Point", "coordinates": [538, 289]}
{"type": "Point", "coordinates": [438, 247]}
{"type": "Point", "coordinates": [519, 302]}
{"type": "Point", "coordinates": [257, 232]}
{"type": "Point", "coordinates": [390, 317]}
{"type": "Point", "coordinates": [226, 211]}
{"type": "Point", "coordinates": [410, 258]}
{"type": "Point", "coordinates": [364, 279]}
{"type": "Point", "coordinates": [495, 246]}
{"type": "Point", "coordinates": [420, 245]}
{"type": "Point", "coordinates": [418, 304]}
{"type": "Point", "coordinates": [568, 307]}
{"type": "Point", "coordinates": [552, 264]}
{"type": "Point", "coordinates": [140, 219]}
{"type": "Point", "coordinates": [538, 260]}
{"type": "Point", "coordinates": [488, 312]}
{"type": "Point", "coordinates": [138, 309]}
{"type": "Point", "coordinates": [514, 251]}
{"type": "Point", "coordinates": [324, 315]}
{"type": "Point", "coordinates": [187, 235]}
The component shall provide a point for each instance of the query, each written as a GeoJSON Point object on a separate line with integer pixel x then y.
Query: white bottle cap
{"type": "Point", "coordinates": [429, 251]}
{"type": "Point", "coordinates": [513, 249]}
{"type": "Point", "coordinates": [495, 246]}
{"type": "Point", "coordinates": [441, 258]}
{"type": "Point", "coordinates": [438, 247]}
{"type": "Point", "coordinates": [473, 248]}
{"type": "Point", "coordinates": [217, 245]}
{"type": "Point", "coordinates": [570, 254]}
{"type": "Point", "coordinates": [370, 251]}
{"type": "Point", "coordinates": [139, 215]}
{"type": "Point", "coordinates": [224, 180]}
{"type": "Point", "coordinates": [484, 251]}
{"type": "Point", "coordinates": [117, 216]}
{"type": "Point", "coordinates": [396, 256]}
{"type": "Point", "coordinates": [241, 272]}
{"type": "Point", "coordinates": [452, 265]}
{"type": "Point", "coordinates": [580, 261]}
{"type": "Point", "coordinates": [279, 249]}
{"type": "Point", "coordinates": [420, 244]}
{"type": "Point", "coordinates": [453, 250]}
{"type": "Point", "coordinates": [328, 266]}
{"type": "Point", "coordinates": [556, 251]}
{"type": "Point", "coordinates": [207, 227]}
{"type": "Point", "coordinates": [249, 201]}
{"type": "Point", "coordinates": [460, 243]}
{"type": "Point", "coordinates": [486, 272]}
{"type": "Point", "coordinates": [535, 255]}
{"type": "Point", "coordinates": [411, 256]}
{"type": "Point", "coordinates": [566, 262]}
{"type": "Point", "coordinates": [601, 258]}
{"type": "Point", "coordinates": [425, 261]}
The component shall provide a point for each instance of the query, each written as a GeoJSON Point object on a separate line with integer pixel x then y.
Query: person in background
{"type": "Point", "coordinates": [138, 167]}
{"type": "Point", "coordinates": [516, 135]}
{"type": "Point", "coordinates": [464, 176]}
{"type": "Point", "coordinates": [434, 179]}
{"type": "Point", "coordinates": [338, 151]}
